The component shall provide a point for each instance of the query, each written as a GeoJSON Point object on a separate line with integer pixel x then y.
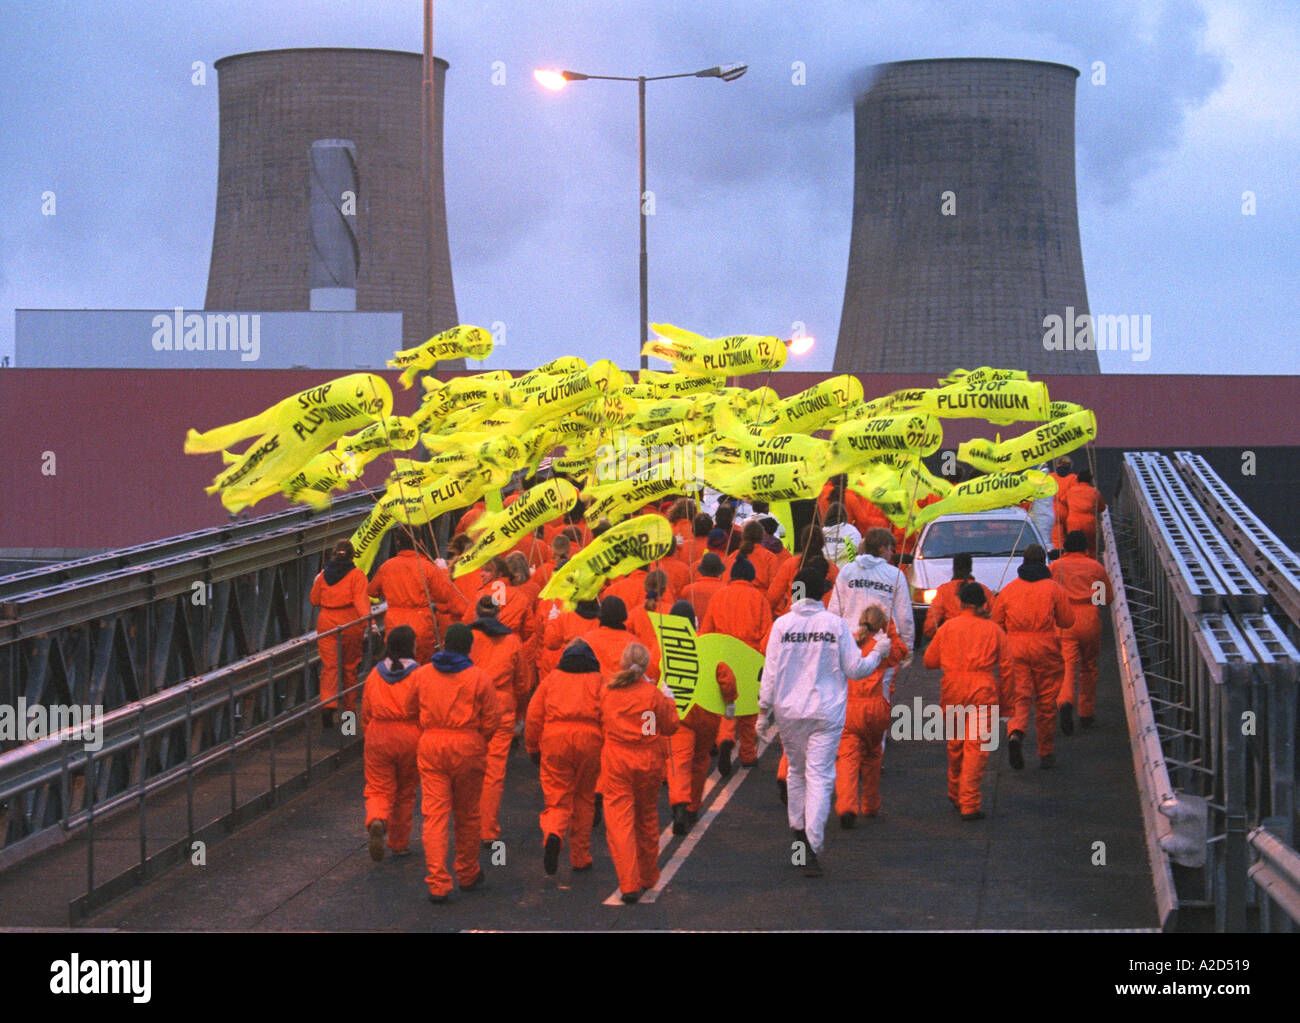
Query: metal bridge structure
{"type": "Point", "coordinates": [200, 650]}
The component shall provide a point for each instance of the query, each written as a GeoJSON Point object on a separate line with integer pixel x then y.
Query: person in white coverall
{"type": "Point", "coordinates": [811, 654]}
{"type": "Point", "coordinates": [871, 578]}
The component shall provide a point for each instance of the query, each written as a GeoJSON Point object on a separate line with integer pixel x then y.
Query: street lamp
{"type": "Point", "coordinates": [557, 80]}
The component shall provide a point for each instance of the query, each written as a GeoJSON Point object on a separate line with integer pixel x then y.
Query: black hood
{"type": "Point", "coordinates": [335, 569]}
{"type": "Point", "coordinates": [1033, 572]}
{"type": "Point", "coordinates": [578, 659]}
{"type": "Point", "coordinates": [490, 627]}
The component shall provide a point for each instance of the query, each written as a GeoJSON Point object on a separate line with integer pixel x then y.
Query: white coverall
{"type": "Point", "coordinates": [810, 657]}
{"type": "Point", "coordinates": [871, 580]}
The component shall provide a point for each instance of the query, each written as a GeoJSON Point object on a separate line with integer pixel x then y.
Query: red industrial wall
{"type": "Point", "coordinates": [120, 476]}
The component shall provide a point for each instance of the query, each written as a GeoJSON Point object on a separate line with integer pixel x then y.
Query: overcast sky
{"type": "Point", "coordinates": [753, 179]}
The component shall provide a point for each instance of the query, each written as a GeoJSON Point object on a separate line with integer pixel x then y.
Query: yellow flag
{"type": "Point", "coordinates": [500, 531]}
{"type": "Point", "coordinates": [1041, 444]}
{"type": "Point", "coordinates": [616, 552]}
{"type": "Point", "coordinates": [864, 439]}
{"type": "Point", "coordinates": [998, 401]}
{"type": "Point", "coordinates": [361, 393]}
{"type": "Point", "coordinates": [460, 342]}
{"type": "Point", "coordinates": [726, 356]}
{"type": "Point", "coordinates": [983, 373]}
{"type": "Point", "coordinates": [996, 490]}
{"type": "Point", "coordinates": [327, 472]}
{"type": "Point", "coordinates": [811, 409]}
{"type": "Point", "coordinates": [619, 500]}
{"type": "Point", "coordinates": [277, 455]}
{"type": "Point", "coordinates": [791, 481]}
{"type": "Point", "coordinates": [396, 433]}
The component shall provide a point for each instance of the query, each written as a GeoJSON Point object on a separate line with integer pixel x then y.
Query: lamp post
{"type": "Point", "coordinates": [559, 79]}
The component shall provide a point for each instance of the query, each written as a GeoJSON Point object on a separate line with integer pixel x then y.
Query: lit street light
{"type": "Point", "coordinates": [556, 80]}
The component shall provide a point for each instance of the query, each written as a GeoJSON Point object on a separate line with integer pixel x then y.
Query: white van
{"type": "Point", "coordinates": [996, 541]}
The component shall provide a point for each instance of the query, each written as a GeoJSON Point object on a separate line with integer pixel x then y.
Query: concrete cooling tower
{"type": "Point", "coordinates": [965, 226]}
{"type": "Point", "coordinates": [361, 111]}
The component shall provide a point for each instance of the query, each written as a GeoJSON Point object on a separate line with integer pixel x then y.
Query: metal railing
{"type": "Point", "coordinates": [1271, 561]}
{"type": "Point", "coordinates": [55, 790]}
{"type": "Point", "coordinates": [208, 599]}
{"type": "Point", "coordinates": [1222, 679]}
{"type": "Point", "coordinates": [1159, 802]}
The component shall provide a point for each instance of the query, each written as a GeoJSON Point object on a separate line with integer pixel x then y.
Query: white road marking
{"type": "Point", "coordinates": [702, 825]}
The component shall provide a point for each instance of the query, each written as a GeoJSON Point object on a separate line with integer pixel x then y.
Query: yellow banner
{"type": "Point", "coordinates": [1041, 444]}
{"type": "Point", "coordinates": [498, 532]}
{"type": "Point", "coordinates": [998, 401]}
{"type": "Point", "coordinates": [460, 342]}
{"type": "Point", "coordinates": [996, 490]}
{"type": "Point", "coordinates": [622, 549]}
{"type": "Point", "coordinates": [812, 408]}
{"type": "Point", "coordinates": [688, 666]}
{"type": "Point", "coordinates": [865, 439]}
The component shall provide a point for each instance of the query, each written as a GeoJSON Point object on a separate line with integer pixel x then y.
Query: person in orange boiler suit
{"type": "Point", "coordinates": [634, 714]}
{"type": "Point", "coordinates": [1083, 504]}
{"type": "Point", "coordinates": [1086, 584]}
{"type": "Point", "coordinates": [411, 583]}
{"type": "Point", "coordinates": [392, 734]}
{"type": "Point", "coordinates": [866, 718]}
{"type": "Point", "coordinates": [459, 711]}
{"type": "Point", "coordinates": [688, 749]}
{"type": "Point", "coordinates": [739, 609]}
{"type": "Point", "coordinates": [562, 736]}
{"type": "Point", "coordinates": [339, 590]}
{"type": "Point", "coordinates": [1033, 610]}
{"type": "Point", "coordinates": [498, 653]}
{"type": "Point", "coordinates": [968, 649]}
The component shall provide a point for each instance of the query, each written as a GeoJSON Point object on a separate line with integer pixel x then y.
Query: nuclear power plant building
{"type": "Point", "coordinates": [965, 225]}
{"type": "Point", "coordinates": [322, 191]}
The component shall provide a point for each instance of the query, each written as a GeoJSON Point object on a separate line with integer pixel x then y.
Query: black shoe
{"type": "Point", "coordinates": [812, 868]}
{"type": "Point", "coordinates": [631, 897]}
{"type": "Point", "coordinates": [692, 818]}
{"type": "Point", "coordinates": [1086, 722]}
{"type": "Point", "coordinates": [327, 719]}
{"type": "Point", "coordinates": [1048, 761]}
{"type": "Point", "coordinates": [1015, 752]}
{"type": "Point", "coordinates": [848, 820]}
{"type": "Point", "coordinates": [551, 854]}
{"type": "Point", "coordinates": [437, 898]}
{"type": "Point", "coordinates": [579, 870]}
{"type": "Point", "coordinates": [681, 823]}
{"type": "Point", "coordinates": [724, 757]}
{"type": "Point", "coordinates": [479, 883]}
{"type": "Point", "coordinates": [955, 805]}
{"type": "Point", "coordinates": [378, 832]}
{"type": "Point", "coordinates": [599, 815]}
{"type": "Point", "coordinates": [1067, 719]}
{"type": "Point", "coordinates": [781, 788]}
{"type": "Point", "coordinates": [974, 815]}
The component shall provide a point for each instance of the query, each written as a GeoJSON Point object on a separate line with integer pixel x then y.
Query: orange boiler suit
{"type": "Point", "coordinates": [497, 652]}
{"type": "Point", "coordinates": [688, 749]}
{"type": "Point", "coordinates": [1079, 575]}
{"type": "Point", "coordinates": [740, 609]}
{"type": "Point", "coordinates": [947, 604]}
{"type": "Point", "coordinates": [968, 649]}
{"type": "Point", "coordinates": [410, 583]}
{"type": "Point", "coordinates": [1083, 504]}
{"type": "Point", "coordinates": [458, 710]}
{"type": "Point", "coordinates": [1033, 609]}
{"type": "Point", "coordinates": [866, 719]}
{"type": "Point", "coordinates": [392, 735]}
{"type": "Point", "coordinates": [340, 602]}
{"type": "Point", "coordinates": [1059, 507]}
{"type": "Point", "coordinates": [633, 719]}
{"type": "Point", "coordinates": [563, 725]}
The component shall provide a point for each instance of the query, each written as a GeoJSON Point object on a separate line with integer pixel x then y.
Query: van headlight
{"type": "Point", "coordinates": [929, 595]}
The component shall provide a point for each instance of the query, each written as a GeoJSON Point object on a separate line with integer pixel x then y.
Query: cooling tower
{"type": "Point", "coordinates": [274, 105]}
{"type": "Point", "coordinates": [965, 228]}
